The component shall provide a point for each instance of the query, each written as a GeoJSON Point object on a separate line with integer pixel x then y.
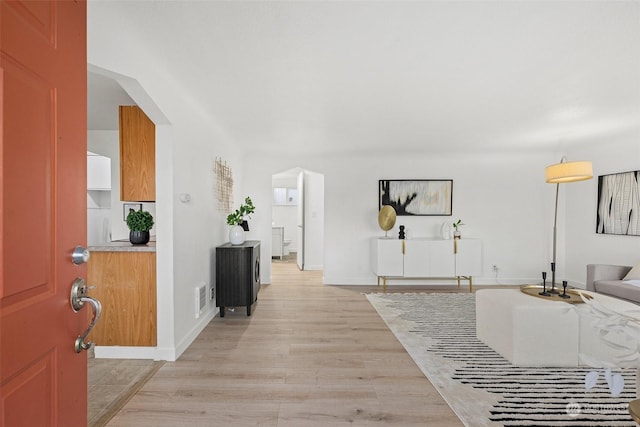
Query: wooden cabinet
{"type": "Point", "coordinates": [125, 285]}
{"type": "Point", "coordinates": [426, 258]}
{"type": "Point", "coordinates": [237, 275]}
{"type": "Point", "coordinates": [137, 156]}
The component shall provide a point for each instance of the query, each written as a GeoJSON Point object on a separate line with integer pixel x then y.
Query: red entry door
{"type": "Point", "coordinates": [43, 68]}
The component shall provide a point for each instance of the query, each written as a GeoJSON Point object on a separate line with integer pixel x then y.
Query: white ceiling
{"type": "Point", "coordinates": [338, 76]}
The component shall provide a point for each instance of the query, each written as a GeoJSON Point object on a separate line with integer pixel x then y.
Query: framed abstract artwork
{"type": "Point", "coordinates": [417, 197]}
{"type": "Point", "coordinates": [619, 204]}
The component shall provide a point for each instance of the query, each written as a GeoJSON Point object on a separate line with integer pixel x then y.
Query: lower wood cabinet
{"type": "Point", "coordinates": [125, 285]}
{"type": "Point", "coordinates": [237, 275]}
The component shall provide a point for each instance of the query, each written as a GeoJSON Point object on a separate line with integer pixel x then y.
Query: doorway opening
{"type": "Point", "coordinates": [106, 91]}
{"type": "Point", "coordinates": [297, 215]}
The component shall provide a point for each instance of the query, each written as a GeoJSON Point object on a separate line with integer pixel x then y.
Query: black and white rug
{"type": "Point", "coordinates": [483, 388]}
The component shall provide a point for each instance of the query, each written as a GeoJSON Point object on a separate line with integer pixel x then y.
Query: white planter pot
{"type": "Point", "coordinates": [236, 235]}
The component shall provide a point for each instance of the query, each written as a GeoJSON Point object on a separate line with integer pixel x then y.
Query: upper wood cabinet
{"type": "Point", "coordinates": [137, 155]}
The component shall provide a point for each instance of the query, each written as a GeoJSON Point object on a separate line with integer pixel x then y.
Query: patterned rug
{"type": "Point", "coordinates": [483, 388]}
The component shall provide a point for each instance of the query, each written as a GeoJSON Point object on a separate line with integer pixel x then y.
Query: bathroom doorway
{"type": "Point", "coordinates": [298, 218]}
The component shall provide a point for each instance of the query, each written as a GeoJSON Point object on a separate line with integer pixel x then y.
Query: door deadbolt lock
{"type": "Point", "coordinates": [80, 255]}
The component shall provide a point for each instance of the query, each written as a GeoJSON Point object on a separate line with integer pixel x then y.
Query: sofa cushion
{"type": "Point", "coordinates": [618, 288]}
{"type": "Point", "coordinates": [634, 273]}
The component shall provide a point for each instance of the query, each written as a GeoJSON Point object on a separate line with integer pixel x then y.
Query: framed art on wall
{"type": "Point", "coordinates": [416, 197]}
{"type": "Point", "coordinates": [619, 204]}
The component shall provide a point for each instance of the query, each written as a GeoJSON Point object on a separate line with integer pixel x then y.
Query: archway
{"type": "Point", "coordinates": [298, 217]}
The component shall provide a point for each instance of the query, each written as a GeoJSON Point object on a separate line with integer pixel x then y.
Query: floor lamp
{"type": "Point", "coordinates": [562, 173]}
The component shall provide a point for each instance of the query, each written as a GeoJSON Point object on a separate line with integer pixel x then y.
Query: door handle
{"type": "Point", "coordinates": [78, 299]}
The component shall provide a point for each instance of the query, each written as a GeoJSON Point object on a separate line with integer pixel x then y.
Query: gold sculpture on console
{"type": "Point", "coordinates": [387, 218]}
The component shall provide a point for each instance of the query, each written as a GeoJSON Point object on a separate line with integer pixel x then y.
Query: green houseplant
{"type": "Point", "coordinates": [139, 223]}
{"type": "Point", "coordinates": [456, 228]}
{"type": "Point", "coordinates": [238, 221]}
{"type": "Point", "coordinates": [240, 215]}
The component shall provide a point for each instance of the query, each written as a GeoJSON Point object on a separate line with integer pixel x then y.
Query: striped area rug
{"type": "Point", "coordinates": [483, 388]}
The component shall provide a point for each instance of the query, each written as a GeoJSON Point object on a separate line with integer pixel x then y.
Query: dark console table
{"type": "Point", "coordinates": [237, 275]}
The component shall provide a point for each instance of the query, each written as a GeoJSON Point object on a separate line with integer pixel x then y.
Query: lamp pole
{"type": "Point", "coordinates": [564, 172]}
{"type": "Point", "coordinates": [555, 232]}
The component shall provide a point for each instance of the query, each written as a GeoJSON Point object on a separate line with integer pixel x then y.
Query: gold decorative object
{"type": "Point", "coordinates": [574, 295]}
{"type": "Point", "coordinates": [387, 218]}
{"type": "Point", "coordinates": [224, 185]}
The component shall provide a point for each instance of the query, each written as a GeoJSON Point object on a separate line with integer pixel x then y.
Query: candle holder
{"type": "Point", "coordinates": [544, 292]}
{"type": "Point", "coordinates": [564, 293]}
{"type": "Point", "coordinates": [553, 279]}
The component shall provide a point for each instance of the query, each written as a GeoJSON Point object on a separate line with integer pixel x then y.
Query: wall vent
{"type": "Point", "coordinates": [201, 299]}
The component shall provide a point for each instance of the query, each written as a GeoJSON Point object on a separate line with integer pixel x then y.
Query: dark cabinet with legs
{"type": "Point", "coordinates": [237, 275]}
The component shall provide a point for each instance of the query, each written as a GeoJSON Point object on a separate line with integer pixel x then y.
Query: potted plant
{"type": "Point", "coordinates": [238, 221]}
{"type": "Point", "coordinates": [456, 229]}
{"type": "Point", "coordinates": [139, 223]}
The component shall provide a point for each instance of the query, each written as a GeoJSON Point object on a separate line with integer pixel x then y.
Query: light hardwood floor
{"type": "Point", "coordinates": [310, 355]}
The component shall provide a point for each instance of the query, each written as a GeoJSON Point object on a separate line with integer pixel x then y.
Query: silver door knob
{"type": "Point", "coordinates": [80, 255]}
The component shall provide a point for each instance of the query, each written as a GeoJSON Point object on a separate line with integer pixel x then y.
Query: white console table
{"type": "Point", "coordinates": [393, 258]}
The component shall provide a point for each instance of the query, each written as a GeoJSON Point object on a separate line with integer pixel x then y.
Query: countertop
{"type": "Point", "coordinates": [123, 246]}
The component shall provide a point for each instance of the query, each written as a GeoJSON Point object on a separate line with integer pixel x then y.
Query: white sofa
{"type": "Point", "coordinates": [608, 279]}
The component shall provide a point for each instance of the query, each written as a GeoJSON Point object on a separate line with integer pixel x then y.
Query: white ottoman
{"type": "Point", "coordinates": [526, 330]}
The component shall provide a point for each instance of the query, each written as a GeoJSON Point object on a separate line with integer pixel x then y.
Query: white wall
{"type": "Point", "coordinates": [188, 144]}
{"type": "Point", "coordinates": [104, 143]}
{"type": "Point", "coordinates": [502, 198]}
{"type": "Point", "coordinates": [584, 246]}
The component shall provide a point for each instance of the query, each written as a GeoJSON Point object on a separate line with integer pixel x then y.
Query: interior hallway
{"type": "Point", "coordinates": [310, 355]}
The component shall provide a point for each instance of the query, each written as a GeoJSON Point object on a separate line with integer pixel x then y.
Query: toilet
{"type": "Point", "coordinates": [285, 247]}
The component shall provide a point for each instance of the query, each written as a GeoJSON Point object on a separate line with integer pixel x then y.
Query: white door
{"type": "Point", "coordinates": [442, 259]}
{"type": "Point", "coordinates": [469, 257]}
{"type": "Point", "coordinates": [300, 221]}
{"type": "Point", "coordinates": [387, 257]}
{"type": "Point", "coordinates": [429, 258]}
